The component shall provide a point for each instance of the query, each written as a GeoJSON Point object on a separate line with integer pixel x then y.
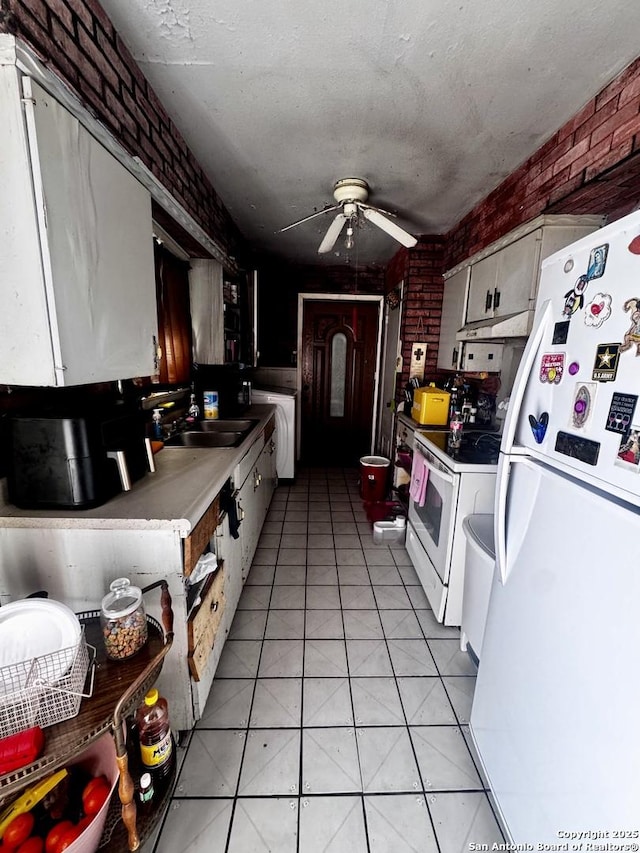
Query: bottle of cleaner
{"type": "Point", "coordinates": [156, 742]}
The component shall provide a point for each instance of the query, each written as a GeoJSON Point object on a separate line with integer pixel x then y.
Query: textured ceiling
{"type": "Point", "coordinates": [433, 102]}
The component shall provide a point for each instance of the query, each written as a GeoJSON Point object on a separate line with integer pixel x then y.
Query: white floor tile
{"type": "Point", "coordinates": [350, 575]}
{"type": "Point", "coordinates": [321, 557]}
{"type": "Point", "coordinates": [434, 629]}
{"type": "Point", "coordinates": [212, 764]}
{"type": "Point", "coordinates": [450, 660]}
{"type": "Point", "coordinates": [281, 659]}
{"type": "Point", "coordinates": [357, 598]}
{"type": "Point", "coordinates": [290, 575]}
{"type": "Point", "coordinates": [239, 659]}
{"type": "Point", "coordinates": [330, 761]}
{"type": "Point", "coordinates": [386, 761]}
{"type": "Point", "coordinates": [362, 625]}
{"type": "Point", "coordinates": [380, 556]}
{"type": "Point", "coordinates": [444, 760]}
{"type": "Point", "coordinates": [399, 824]}
{"type": "Point", "coordinates": [376, 702]}
{"type": "Point", "coordinates": [255, 598]}
{"type": "Point", "coordinates": [261, 575]}
{"type": "Point", "coordinates": [385, 575]}
{"type": "Point", "coordinates": [327, 702]}
{"type": "Point", "coordinates": [460, 690]}
{"type": "Point", "coordinates": [324, 624]}
{"type": "Point", "coordinates": [288, 597]}
{"type": "Point", "coordinates": [271, 763]}
{"type": "Point", "coordinates": [322, 576]}
{"type": "Point", "coordinates": [323, 597]}
{"type": "Point", "coordinates": [392, 598]}
{"type": "Point", "coordinates": [400, 625]}
{"type": "Point", "coordinates": [368, 657]}
{"type": "Point", "coordinates": [228, 704]}
{"type": "Point", "coordinates": [277, 702]}
{"type": "Point", "coordinates": [461, 819]}
{"type": "Point", "coordinates": [418, 598]}
{"type": "Point", "coordinates": [262, 825]}
{"type": "Point", "coordinates": [248, 625]}
{"type": "Point", "coordinates": [411, 657]}
{"type": "Point", "coordinates": [325, 658]}
{"type": "Point", "coordinates": [332, 825]}
{"type": "Point", "coordinates": [425, 701]}
{"type": "Point", "coordinates": [196, 826]}
{"type": "Point", "coordinates": [284, 625]}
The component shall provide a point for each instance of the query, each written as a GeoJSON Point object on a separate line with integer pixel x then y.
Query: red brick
{"type": "Point", "coordinates": [619, 118]}
{"type": "Point", "coordinates": [82, 13]}
{"type": "Point", "coordinates": [99, 14]}
{"type": "Point", "coordinates": [571, 155]}
{"type": "Point", "coordinates": [114, 59]}
{"type": "Point", "coordinates": [97, 58]}
{"type": "Point", "coordinates": [631, 91]}
{"type": "Point", "coordinates": [564, 189]}
{"type": "Point", "coordinates": [626, 131]}
{"type": "Point", "coordinates": [619, 83]}
{"type": "Point", "coordinates": [579, 119]}
{"type": "Point", "coordinates": [35, 8]}
{"type": "Point", "coordinates": [62, 11]}
{"type": "Point", "coordinates": [614, 156]}
{"type": "Point", "coordinates": [132, 66]}
{"type": "Point", "coordinates": [598, 118]}
{"type": "Point", "coordinates": [592, 156]}
{"type": "Point", "coordinates": [114, 102]}
{"type": "Point", "coordinates": [133, 108]}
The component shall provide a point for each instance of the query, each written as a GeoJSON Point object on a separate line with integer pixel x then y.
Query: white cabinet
{"type": "Point", "coordinates": [454, 307]}
{"type": "Point", "coordinates": [257, 475]}
{"type": "Point", "coordinates": [78, 282]}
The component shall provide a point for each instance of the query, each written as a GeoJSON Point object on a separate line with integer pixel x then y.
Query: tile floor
{"type": "Point", "coordinates": [336, 721]}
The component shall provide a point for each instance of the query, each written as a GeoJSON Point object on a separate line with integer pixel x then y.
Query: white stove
{"type": "Point", "coordinates": [460, 483]}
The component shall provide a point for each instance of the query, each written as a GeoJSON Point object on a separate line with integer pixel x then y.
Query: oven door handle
{"type": "Point", "coordinates": [436, 472]}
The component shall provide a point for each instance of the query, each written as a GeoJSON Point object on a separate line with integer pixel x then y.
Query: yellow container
{"type": "Point", "coordinates": [430, 406]}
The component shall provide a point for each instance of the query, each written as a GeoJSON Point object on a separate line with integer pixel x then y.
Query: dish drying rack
{"type": "Point", "coordinates": [46, 689]}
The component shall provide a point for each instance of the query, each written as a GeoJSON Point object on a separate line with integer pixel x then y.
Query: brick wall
{"type": "Point", "coordinates": [421, 269]}
{"type": "Point", "coordinates": [76, 40]}
{"type": "Point", "coordinates": [590, 165]}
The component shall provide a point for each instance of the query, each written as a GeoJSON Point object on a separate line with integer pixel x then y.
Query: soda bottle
{"type": "Point", "coordinates": [156, 742]}
{"type": "Point", "coordinates": [455, 431]}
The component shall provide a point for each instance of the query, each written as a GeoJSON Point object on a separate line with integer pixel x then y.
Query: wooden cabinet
{"type": "Point", "coordinates": [77, 285]}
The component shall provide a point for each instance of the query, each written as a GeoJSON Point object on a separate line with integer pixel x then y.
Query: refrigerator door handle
{"type": "Point", "coordinates": [500, 516]}
{"type": "Point", "coordinates": [524, 372]}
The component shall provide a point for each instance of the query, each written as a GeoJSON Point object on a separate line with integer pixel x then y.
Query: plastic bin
{"type": "Point", "coordinates": [480, 560]}
{"type": "Point", "coordinates": [389, 531]}
{"type": "Point", "coordinates": [374, 477]}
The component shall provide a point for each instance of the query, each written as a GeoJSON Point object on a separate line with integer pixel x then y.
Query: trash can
{"type": "Point", "coordinates": [374, 475]}
{"type": "Point", "coordinates": [479, 563]}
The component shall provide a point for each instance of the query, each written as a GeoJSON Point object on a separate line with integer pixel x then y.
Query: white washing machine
{"type": "Point", "coordinates": [284, 399]}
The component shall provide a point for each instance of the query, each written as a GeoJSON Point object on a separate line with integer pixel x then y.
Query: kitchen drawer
{"type": "Point", "coordinates": [202, 626]}
{"type": "Point", "coordinates": [197, 541]}
{"type": "Point", "coordinates": [434, 589]}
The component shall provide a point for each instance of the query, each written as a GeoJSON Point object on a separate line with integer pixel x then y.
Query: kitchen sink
{"type": "Point", "coordinates": [193, 438]}
{"type": "Point", "coordinates": [243, 425]}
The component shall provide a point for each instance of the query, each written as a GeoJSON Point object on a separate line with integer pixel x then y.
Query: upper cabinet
{"type": "Point", "coordinates": [492, 294]}
{"type": "Point", "coordinates": [77, 283]}
{"type": "Point", "coordinates": [207, 311]}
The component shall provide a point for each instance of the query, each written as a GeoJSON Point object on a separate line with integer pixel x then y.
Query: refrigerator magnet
{"type": "Point", "coordinates": [574, 298]}
{"type": "Point", "coordinates": [539, 426]}
{"type": "Point", "coordinates": [597, 261]}
{"type": "Point", "coordinates": [632, 336]}
{"type": "Point", "coordinates": [629, 451]}
{"type": "Point", "coordinates": [560, 332]}
{"type": "Point", "coordinates": [606, 364]}
{"type": "Point", "coordinates": [598, 310]}
{"type": "Point", "coordinates": [552, 367]}
{"type": "Point", "coordinates": [583, 399]}
{"type": "Point", "coordinates": [634, 246]}
{"type": "Point", "coordinates": [621, 412]}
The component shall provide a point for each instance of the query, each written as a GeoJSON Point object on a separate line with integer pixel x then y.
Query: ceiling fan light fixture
{"type": "Point", "coordinates": [348, 243]}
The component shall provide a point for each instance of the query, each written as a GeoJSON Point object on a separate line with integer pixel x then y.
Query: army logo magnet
{"type": "Point", "coordinates": [598, 310]}
{"type": "Point", "coordinates": [606, 363]}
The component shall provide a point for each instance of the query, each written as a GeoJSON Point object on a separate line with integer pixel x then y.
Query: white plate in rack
{"type": "Point", "coordinates": [34, 628]}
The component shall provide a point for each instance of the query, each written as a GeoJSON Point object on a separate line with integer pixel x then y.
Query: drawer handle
{"type": "Point", "coordinates": [213, 606]}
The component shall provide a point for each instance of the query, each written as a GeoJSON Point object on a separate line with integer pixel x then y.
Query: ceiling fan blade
{"type": "Point", "coordinates": [311, 216]}
{"type": "Point", "coordinates": [332, 234]}
{"type": "Point", "coordinates": [390, 227]}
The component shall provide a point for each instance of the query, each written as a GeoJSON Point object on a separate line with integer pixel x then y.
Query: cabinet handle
{"type": "Point", "coordinates": [213, 606]}
{"type": "Point", "coordinates": [488, 301]}
{"type": "Point", "coordinates": [496, 298]}
{"type": "Point", "coordinates": [454, 357]}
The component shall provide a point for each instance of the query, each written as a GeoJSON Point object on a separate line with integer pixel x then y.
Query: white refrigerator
{"type": "Point", "coordinates": [556, 711]}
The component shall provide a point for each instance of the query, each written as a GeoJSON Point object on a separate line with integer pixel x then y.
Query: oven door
{"type": "Point", "coordinates": [433, 522]}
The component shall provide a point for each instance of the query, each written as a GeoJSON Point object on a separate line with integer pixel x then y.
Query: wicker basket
{"type": "Point", "coordinates": [45, 690]}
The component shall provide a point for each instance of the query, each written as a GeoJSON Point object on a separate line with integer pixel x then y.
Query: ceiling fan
{"type": "Point", "coordinates": [351, 195]}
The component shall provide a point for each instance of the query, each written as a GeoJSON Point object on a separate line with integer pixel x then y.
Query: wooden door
{"type": "Point", "coordinates": [338, 378]}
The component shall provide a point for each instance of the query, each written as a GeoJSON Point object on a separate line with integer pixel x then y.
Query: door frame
{"type": "Point", "coordinates": [341, 297]}
{"type": "Point", "coordinates": [389, 358]}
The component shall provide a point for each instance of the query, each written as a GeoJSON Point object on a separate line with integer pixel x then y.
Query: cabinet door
{"type": "Point", "coordinates": [249, 501]}
{"type": "Point", "coordinates": [518, 270]}
{"type": "Point", "coordinates": [207, 311]}
{"type": "Point", "coordinates": [95, 234]}
{"type": "Point", "coordinates": [453, 314]}
{"type": "Point", "coordinates": [481, 289]}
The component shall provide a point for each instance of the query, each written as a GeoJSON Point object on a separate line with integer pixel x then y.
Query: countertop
{"type": "Point", "coordinates": [175, 497]}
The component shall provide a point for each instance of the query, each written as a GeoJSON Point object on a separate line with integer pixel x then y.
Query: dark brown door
{"type": "Point", "coordinates": [338, 375]}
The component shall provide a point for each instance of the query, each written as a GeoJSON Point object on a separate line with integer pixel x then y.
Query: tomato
{"type": "Point", "coordinates": [52, 841]}
{"type": "Point", "coordinates": [84, 822]}
{"type": "Point", "coordinates": [68, 837]}
{"type": "Point", "coordinates": [95, 799]}
{"type": "Point", "coordinates": [18, 830]}
{"type": "Point", "coordinates": [95, 782]}
{"type": "Point", "coordinates": [35, 844]}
